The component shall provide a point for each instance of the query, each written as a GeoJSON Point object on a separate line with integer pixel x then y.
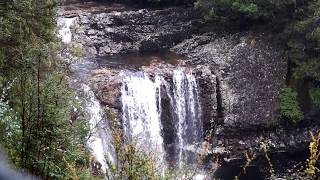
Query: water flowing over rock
{"type": "Point", "coordinates": [141, 113]}
{"type": "Point", "coordinates": [151, 106]}
{"type": "Point", "coordinates": [65, 29]}
{"type": "Point", "coordinates": [228, 86]}
{"type": "Point", "coordinates": [100, 140]}
{"type": "Point", "coordinates": [188, 111]}
{"type": "Point", "coordinates": [100, 137]}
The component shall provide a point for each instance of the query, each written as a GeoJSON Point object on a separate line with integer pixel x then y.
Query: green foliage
{"type": "Point", "coordinates": [315, 96]}
{"type": "Point", "coordinates": [289, 106]}
{"type": "Point", "coordinates": [77, 50]}
{"type": "Point", "coordinates": [304, 41]}
{"type": "Point", "coordinates": [9, 128]}
{"type": "Point", "coordinates": [35, 125]}
{"type": "Point", "coordinates": [236, 10]}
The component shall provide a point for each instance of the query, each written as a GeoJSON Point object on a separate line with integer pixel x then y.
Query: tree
{"type": "Point", "coordinates": [246, 10]}
{"type": "Point", "coordinates": [289, 106]}
{"type": "Point", "coordinates": [41, 137]}
{"type": "Point", "coordinates": [304, 41]}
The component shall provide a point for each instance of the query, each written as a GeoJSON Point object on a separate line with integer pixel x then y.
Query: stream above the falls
{"type": "Point", "coordinates": [138, 59]}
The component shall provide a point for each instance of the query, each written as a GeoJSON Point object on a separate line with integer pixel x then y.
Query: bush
{"type": "Point", "coordinates": [289, 106]}
{"type": "Point", "coordinates": [315, 96]}
{"type": "Point", "coordinates": [77, 50]}
{"type": "Point", "coordinates": [306, 172]}
{"type": "Point", "coordinates": [238, 9]}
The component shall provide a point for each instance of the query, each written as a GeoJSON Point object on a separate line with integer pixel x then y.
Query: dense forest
{"type": "Point", "coordinates": [38, 131]}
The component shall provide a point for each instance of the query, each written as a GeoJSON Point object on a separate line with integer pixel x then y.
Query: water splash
{"type": "Point", "coordinates": [188, 114]}
{"type": "Point", "coordinates": [141, 111]}
{"type": "Point", "coordinates": [100, 139]}
{"type": "Point", "coordinates": [65, 31]}
{"type": "Point", "coordinates": [141, 105]}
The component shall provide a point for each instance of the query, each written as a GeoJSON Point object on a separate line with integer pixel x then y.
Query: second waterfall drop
{"type": "Point", "coordinates": [188, 117]}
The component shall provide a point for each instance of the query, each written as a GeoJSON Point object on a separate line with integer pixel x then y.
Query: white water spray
{"type": "Point", "coordinates": [141, 106]}
{"type": "Point", "coordinates": [141, 111]}
{"type": "Point", "coordinates": [99, 142]}
{"type": "Point", "coordinates": [100, 137]}
{"type": "Point", "coordinates": [65, 32]}
{"type": "Point", "coordinates": [188, 111]}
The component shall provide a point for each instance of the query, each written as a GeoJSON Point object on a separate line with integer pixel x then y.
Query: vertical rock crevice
{"type": "Point", "coordinates": [220, 109]}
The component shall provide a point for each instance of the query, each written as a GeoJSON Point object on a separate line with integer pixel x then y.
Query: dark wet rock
{"type": "Point", "coordinates": [207, 91]}
{"type": "Point", "coordinates": [135, 30]}
{"type": "Point", "coordinates": [250, 73]}
{"type": "Point", "coordinates": [107, 86]}
{"type": "Point", "coordinates": [244, 97]}
{"type": "Point", "coordinates": [234, 144]}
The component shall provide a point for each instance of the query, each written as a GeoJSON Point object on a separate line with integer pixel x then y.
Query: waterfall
{"type": "Point", "coordinates": [100, 138]}
{"type": "Point", "coordinates": [141, 99]}
{"type": "Point", "coordinates": [141, 111]}
{"type": "Point", "coordinates": [162, 115]}
{"type": "Point", "coordinates": [188, 113]}
{"type": "Point", "coordinates": [65, 32]}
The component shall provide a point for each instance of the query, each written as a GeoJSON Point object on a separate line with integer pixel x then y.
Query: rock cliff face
{"type": "Point", "coordinates": [239, 75]}
{"type": "Point", "coordinates": [135, 30]}
{"type": "Point", "coordinates": [249, 71]}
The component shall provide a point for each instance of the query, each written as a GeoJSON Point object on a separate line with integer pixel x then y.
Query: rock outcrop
{"type": "Point", "coordinates": [249, 71]}
{"type": "Point", "coordinates": [134, 30]}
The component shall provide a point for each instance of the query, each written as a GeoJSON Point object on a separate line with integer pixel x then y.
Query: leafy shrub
{"type": "Point", "coordinates": [77, 50]}
{"type": "Point", "coordinates": [239, 9]}
{"type": "Point", "coordinates": [304, 40]}
{"type": "Point", "coordinates": [289, 106]}
{"type": "Point", "coordinates": [306, 172]}
{"type": "Point", "coordinates": [315, 96]}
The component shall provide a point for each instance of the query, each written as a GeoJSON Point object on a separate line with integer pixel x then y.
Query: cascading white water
{"type": "Point", "coordinates": [180, 109]}
{"type": "Point", "coordinates": [141, 106]}
{"type": "Point", "coordinates": [143, 115]}
{"type": "Point", "coordinates": [65, 31]}
{"type": "Point", "coordinates": [188, 113]}
{"type": "Point", "coordinates": [99, 142]}
{"type": "Point", "coordinates": [141, 111]}
{"type": "Point", "coordinates": [100, 137]}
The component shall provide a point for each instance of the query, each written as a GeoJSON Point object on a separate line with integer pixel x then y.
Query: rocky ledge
{"type": "Point", "coordinates": [133, 30]}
